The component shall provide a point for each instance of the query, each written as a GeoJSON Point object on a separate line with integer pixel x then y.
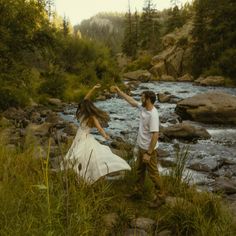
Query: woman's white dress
{"type": "Point", "coordinates": [90, 159]}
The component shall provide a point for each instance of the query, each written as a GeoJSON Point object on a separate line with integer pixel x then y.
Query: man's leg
{"type": "Point", "coordinates": [154, 176]}
{"type": "Point", "coordinates": [153, 172]}
{"type": "Point", "coordinates": [141, 171]}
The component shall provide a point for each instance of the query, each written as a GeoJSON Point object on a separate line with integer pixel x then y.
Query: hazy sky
{"type": "Point", "coordinates": [78, 10]}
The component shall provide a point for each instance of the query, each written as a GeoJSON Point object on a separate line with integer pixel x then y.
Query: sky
{"type": "Point", "coordinates": [78, 10]}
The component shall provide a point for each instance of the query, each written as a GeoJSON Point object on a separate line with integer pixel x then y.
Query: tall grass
{"type": "Point", "coordinates": [36, 201]}
{"type": "Point", "coordinates": [197, 214]}
{"type": "Point", "coordinates": [192, 212]}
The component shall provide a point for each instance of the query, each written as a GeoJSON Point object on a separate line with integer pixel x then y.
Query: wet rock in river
{"type": "Point", "coordinates": [225, 185]}
{"type": "Point", "coordinates": [185, 131]}
{"type": "Point", "coordinates": [211, 107]}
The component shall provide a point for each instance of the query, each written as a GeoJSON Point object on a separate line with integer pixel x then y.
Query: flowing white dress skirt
{"type": "Point", "coordinates": [90, 159]}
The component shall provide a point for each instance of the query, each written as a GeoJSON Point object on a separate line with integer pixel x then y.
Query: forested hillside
{"type": "Point", "coordinates": [107, 28]}
{"type": "Point", "coordinates": [211, 40]}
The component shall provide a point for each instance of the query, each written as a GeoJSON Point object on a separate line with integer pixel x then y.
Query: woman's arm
{"type": "Point", "coordinates": [99, 128]}
{"type": "Point", "coordinates": [88, 95]}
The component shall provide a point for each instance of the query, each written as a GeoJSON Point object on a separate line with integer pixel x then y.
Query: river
{"type": "Point", "coordinates": [125, 120]}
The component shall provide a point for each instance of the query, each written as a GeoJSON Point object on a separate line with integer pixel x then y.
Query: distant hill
{"type": "Point", "coordinates": [104, 27]}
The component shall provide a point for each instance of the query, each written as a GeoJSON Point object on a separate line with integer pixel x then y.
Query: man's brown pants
{"type": "Point", "coordinates": [151, 168]}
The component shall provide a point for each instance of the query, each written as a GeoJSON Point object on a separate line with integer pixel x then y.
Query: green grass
{"type": "Point", "coordinates": [37, 201]}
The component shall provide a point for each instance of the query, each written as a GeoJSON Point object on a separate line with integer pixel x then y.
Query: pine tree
{"type": "Point", "coordinates": [199, 34]}
{"type": "Point", "coordinates": [175, 19]}
{"type": "Point", "coordinates": [65, 26]}
{"type": "Point", "coordinates": [135, 32]}
{"type": "Point", "coordinates": [129, 45]}
{"type": "Point", "coordinates": [149, 27]}
{"type": "Point", "coordinates": [214, 34]}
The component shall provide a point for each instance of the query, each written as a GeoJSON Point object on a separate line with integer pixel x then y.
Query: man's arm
{"type": "Point", "coordinates": [129, 99]}
{"type": "Point", "coordinates": [152, 145]}
{"type": "Point", "coordinates": [88, 95]}
{"type": "Point", "coordinates": [155, 136]}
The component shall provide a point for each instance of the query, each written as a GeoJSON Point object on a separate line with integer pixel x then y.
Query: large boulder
{"type": "Point", "coordinates": [55, 102]}
{"type": "Point", "coordinates": [185, 131]}
{"type": "Point", "coordinates": [186, 78]}
{"type": "Point", "coordinates": [227, 186]}
{"type": "Point", "coordinates": [174, 62]}
{"type": "Point", "coordinates": [211, 81]}
{"type": "Point", "coordinates": [211, 107]}
{"type": "Point", "coordinates": [167, 98]}
{"type": "Point", "coordinates": [176, 58]}
{"type": "Point", "coordinates": [168, 40]}
{"type": "Point", "coordinates": [146, 224]}
{"type": "Point", "coordinates": [39, 130]}
{"type": "Point", "coordinates": [140, 75]}
{"type": "Point", "coordinates": [159, 69]}
{"type": "Point", "coordinates": [167, 78]}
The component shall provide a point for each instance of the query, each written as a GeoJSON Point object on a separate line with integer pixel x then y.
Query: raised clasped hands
{"type": "Point", "coordinates": [114, 89]}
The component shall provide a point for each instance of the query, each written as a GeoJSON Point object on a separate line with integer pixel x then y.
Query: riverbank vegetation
{"type": "Point", "coordinates": [38, 200]}
{"type": "Point", "coordinates": [41, 57]}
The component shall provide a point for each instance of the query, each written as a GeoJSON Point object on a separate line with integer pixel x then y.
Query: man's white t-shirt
{"type": "Point", "coordinates": [149, 122]}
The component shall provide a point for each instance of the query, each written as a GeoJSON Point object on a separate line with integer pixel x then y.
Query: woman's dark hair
{"type": "Point", "coordinates": [86, 109]}
{"type": "Point", "coordinates": [151, 95]}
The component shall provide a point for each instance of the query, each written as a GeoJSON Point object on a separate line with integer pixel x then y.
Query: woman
{"type": "Point", "coordinates": [88, 158]}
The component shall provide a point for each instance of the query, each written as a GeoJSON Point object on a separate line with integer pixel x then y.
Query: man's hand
{"type": "Point", "coordinates": [129, 99]}
{"type": "Point", "coordinates": [146, 158]}
{"type": "Point", "coordinates": [114, 89]}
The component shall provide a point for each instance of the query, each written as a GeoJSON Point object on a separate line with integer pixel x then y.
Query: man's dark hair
{"type": "Point", "coordinates": [151, 95]}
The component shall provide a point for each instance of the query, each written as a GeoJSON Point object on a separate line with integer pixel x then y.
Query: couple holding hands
{"type": "Point", "coordinates": [92, 160]}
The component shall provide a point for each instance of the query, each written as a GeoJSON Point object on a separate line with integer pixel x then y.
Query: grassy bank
{"type": "Point", "coordinates": [35, 200]}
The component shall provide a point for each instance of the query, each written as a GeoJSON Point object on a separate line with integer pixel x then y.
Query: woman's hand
{"type": "Point", "coordinates": [107, 137]}
{"type": "Point", "coordinates": [88, 95]}
{"type": "Point", "coordinates": [97, 86]}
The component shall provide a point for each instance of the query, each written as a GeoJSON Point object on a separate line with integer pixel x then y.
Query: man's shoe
{"type": "Point", "coordinates": [134, 196]}
{"type": "Point", "coordinates": [157, 203]}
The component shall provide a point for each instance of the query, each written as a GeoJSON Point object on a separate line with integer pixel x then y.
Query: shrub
{"type": "Point", "coordinates": [12, 97]}
{"type": "Point", "coordinates": [54, 85]}
{"type": "Point", "coordinates": [143, 62]}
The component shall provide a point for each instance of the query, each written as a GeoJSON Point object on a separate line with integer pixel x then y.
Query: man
{"type": "Point", "coordinates": [147, 141]}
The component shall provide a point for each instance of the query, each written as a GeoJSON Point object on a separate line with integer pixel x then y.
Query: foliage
{"type": "Point", "coordinates": [176, 19]}
{"type": "Point", "coordinates": [131, 34]}
{"type": "Point", "coordinates": [142, 31]}
{"type": "Point", "coordinates": [142, 62]}
{"type": "Point", "coordinates": [54, 85]}
{"type": "Point", "coordinates": [36, 52]}
{"type": "Point", "coordinates": [12, 98]}
{"type": "Point", "coordinates": [214, 37]}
